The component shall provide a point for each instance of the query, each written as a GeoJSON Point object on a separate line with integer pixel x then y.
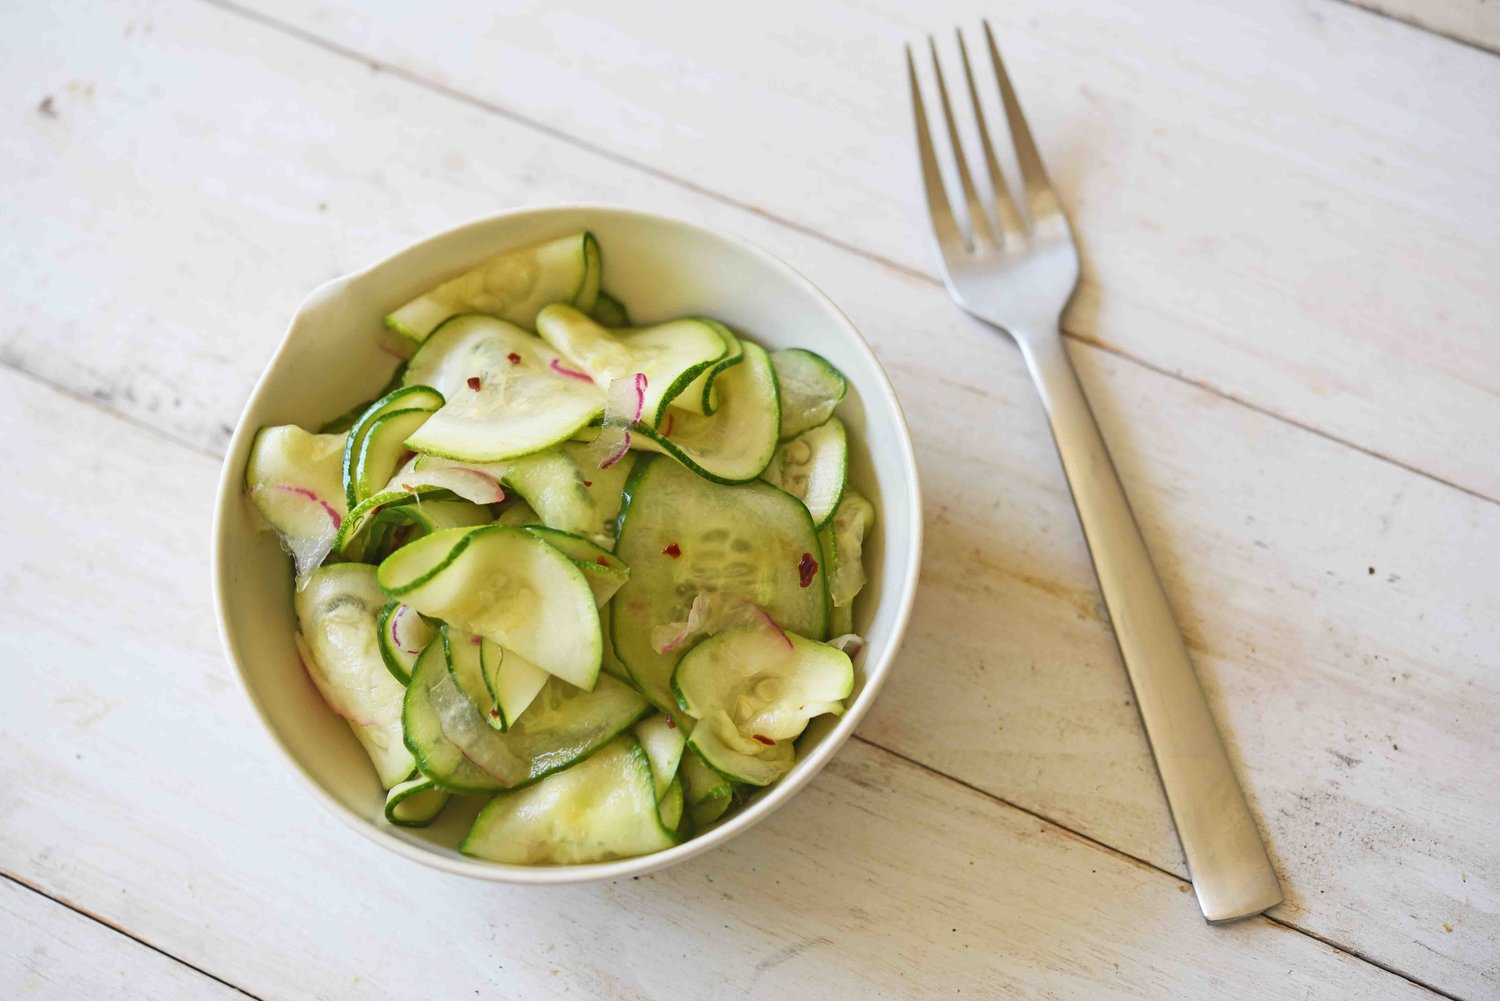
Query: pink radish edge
{"type": "Point", "coordinates": [640, 395]}
{"type": "Point", "coordinates": [333, 513]}
{"type": "Point", "coordinates": [618, 453]}
{"type": "Point", "coordinates": [772, 623]}
{"type": "Point", "coordinates": [571, 373]}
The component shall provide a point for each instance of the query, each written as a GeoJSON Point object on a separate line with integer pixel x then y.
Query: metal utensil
{"type": "Point", "coordinates": [1015, 268]}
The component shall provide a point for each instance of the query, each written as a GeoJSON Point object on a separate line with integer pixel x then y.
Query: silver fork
{"type": "Point", "coordinates": [1015, 269]}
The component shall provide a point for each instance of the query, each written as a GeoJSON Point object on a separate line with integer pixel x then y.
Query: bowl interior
{"type": "Point", "coordinates": [332, 358]}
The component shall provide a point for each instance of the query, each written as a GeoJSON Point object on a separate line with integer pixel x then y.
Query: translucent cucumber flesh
{"type": "Point", "coordinates": [813, 467]}
{"type": "Point", "coordinates": [336, 614]}
{"type": "Point", "coordinates": [602, 808]}
{"type": "Point", "coordinates": [810, 389]}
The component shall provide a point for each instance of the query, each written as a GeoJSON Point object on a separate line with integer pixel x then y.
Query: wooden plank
{"type": "Point", "coordinates": [1476, 22]}
{"type": "Point", "coordinates": [139, 785]}
{"type": "Point", "coordinates": [1035, 707]}
{"type": "Point", "coordinates": [1289, 202]}
{"type": "Point", "coordinates": [49, 951]}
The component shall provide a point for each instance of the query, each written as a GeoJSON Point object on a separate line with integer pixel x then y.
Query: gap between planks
{"type": "Point", "coordinates": [1152, 867]}
{"type": "Point", "coordinates": [88, 401]}
{"type": "Point", "coordinates": [105, 923]}
{"type": "Point", "coordinates": [489, 107]}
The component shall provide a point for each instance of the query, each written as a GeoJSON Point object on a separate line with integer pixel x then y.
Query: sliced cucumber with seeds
{"type": "Point", "coordinates": [294, 480]}
{"type": "Point", "coordinates": [813, 467]}
{"type": "Point", "coordinates": [455, 747]}
{"type": "Point", "coordinates": [507, 393]}
{"type": "Point", "coordinates": [810, 389]}
{"type": "Point", "coordinates": [403, 635]}
{"type": "Point", "coordinates": [602, 808]}
{"type": "Point", "coordinates": [605, 572]}
{"type": "Point", "coordinates": [683, 536]}
{"type": "Point", "coordinates": [412, 396]}
{"type": "Point", "coordinates": [735, 444]}
{"type": "Point", "coordinates": [336, 610]}
{"type": "Point", "coordinates": [752, 692]}
{"type": "Point", "coordinates": [671, 355]}
{"type": "Point", "coordinates": [506, 585]}
{"type": "Point", "coordinates": [609, 311]}
{"type": "Point", "coordinates": [415, 802]}
{"type": "Point", "coordinates": [514, 286]}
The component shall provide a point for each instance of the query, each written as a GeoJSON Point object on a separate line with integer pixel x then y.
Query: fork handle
{"type": "Point", "coordinates": [1225, 855]}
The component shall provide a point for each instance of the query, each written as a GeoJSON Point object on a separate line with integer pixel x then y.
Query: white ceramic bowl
{"type": "Point", "coordinates": [331, 359]}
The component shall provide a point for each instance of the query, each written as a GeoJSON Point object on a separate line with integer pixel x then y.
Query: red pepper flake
{"type": "Point", "coordinates": [671, 723]}
{"type": "Point", "coordinates": [601, 561]}
{"type": "Point", "coordinates": [474, 383]}
{"type": "Point", "coordinates": [763, 739]}
{"type": "Point", "coordinates": [494, 714]}
{"type": "Point", "coordinates": [588, 483]}
{"type": "Point", "coordinates": [673, 550]}
{"type": "Point", "coordinates": [513, 358]}
{"type": "Point", "coordinates": [807, 567]}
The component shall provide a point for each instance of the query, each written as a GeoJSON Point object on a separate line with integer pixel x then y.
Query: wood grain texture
{"type": "Point", "coordinates": [1289, 201]}
{"type": "Point", "coordinates": [1476, 22]}
{"type": "Point", "coordinates": [50, 952]}
{"type": "Point", "coordinates": [174, 225]}
{"type": "Point", "coordinates": [139, 784]}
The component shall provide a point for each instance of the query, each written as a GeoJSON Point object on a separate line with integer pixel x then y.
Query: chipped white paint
{"type": "Point", "coordinates": [171, 226]}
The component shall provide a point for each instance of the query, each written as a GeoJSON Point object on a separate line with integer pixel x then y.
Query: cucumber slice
{"type": "Point", "coordinates": [513, 681]}
{"type": "Point", "coordinates": [664, 743]}
{"type": "Point", "coordinates": [813, 467]}
{"type": "Point", "coordinates": [735, 444]}
{"type": "Point", "coordinates": [336, 609]}
{"type": "Point", "coordinates": [408, 397]}
{"type": "Point", "coordinates": [294, 480]}
{"type": "Point", "coordinates": [810, 390]}
{"type": "Point", "coordinates": [382, 450]}
{"type": "Point", "coordinates": [840, 617]}
{"type": "Point", "coordinates": [753, 692]}
{"type": "Point", "coordinates": [671, 355]}
{"type": "Point", "coordinates": [350, 417]}
{"type": "Point", "coordinates": [423, 509]}
{"type": "Point", "coordinates": [414, 803]}
{"type": "Point", "coordinates": [670, 806]}
{"type": "Point", "coordinates": [507, 394]}
{"type": "Point", "coordinates": [460, 752]}
{"type": "Point", "coordinates": [513, 286]}
{"type": "Point", "coordinates": [403, 635]}
{"type": "Point", "coordinates": [846, 578]}
{"type": "Point", "coordinates": [605, 572]}
{"type": "Point", "coordinates": [508, 586]}
{"type": "Point", "coordinates": [705, 813]}
{"type": "Point", "coordinates": [610, 664]}
{"type": "Point", "coordinates": [518, 513]}
{"type": "Point", "coordinates": [702, 396]}
{"type": "Point", "coordinates": [466, 666]}
{"type": "Point", "coordinates": [600, 809]}
{"type": "Point", "coordinates": [703, 783]}
{"type": "Point", "coordinates": [747, 542]}
{"type": "Point", "coordinates": [609, 311]}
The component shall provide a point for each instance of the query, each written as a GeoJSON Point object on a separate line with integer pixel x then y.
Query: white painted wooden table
{"type": "Point", "coordinates": [1290, 328]}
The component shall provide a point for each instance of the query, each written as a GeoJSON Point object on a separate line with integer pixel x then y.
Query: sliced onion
{"type": "Point", "coordinates": [572, 373]}
{"type": "Point", "coordinates": [851, 643]}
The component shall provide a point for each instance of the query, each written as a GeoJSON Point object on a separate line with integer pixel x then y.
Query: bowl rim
{"type": "Point", "coordinates": [805, 769]}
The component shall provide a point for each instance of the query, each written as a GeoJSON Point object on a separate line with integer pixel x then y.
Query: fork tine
{"type": "Point", "coordinates": [1010, 219]}
{"type": "Point", "coordinates": [979, 223]}
{"type": "Point", "coordinates": [1040, 200]}
{"type": "Point", "coordinates": [943, 223]}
